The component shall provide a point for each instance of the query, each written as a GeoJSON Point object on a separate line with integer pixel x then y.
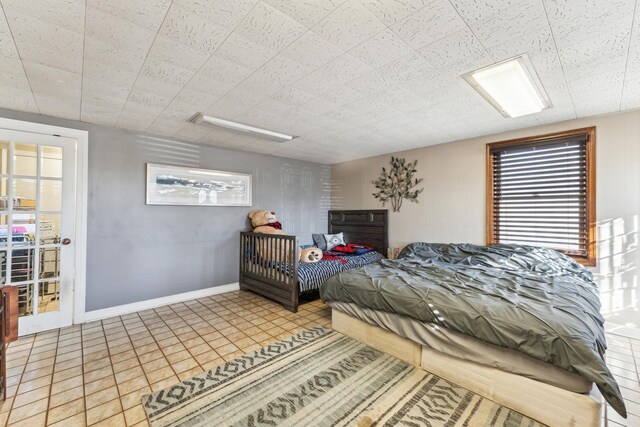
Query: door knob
{"type": "Point", "coordinates": [66, 241]}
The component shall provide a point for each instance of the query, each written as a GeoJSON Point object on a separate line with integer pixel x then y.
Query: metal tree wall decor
{"type": "Point", "coordinates": [398, 183]}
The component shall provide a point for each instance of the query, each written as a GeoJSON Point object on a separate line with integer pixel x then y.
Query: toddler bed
{"type": "Point", "coordinates": [276, 273]}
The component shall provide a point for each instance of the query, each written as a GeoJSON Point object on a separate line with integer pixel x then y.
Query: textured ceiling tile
{"type": "Point", "coordinates": [67, 14]}
{"type": "Point", "coordinates": [119, 33]}
{"type": "Point", "coordinates": [12, 74]}
{"type": "Point", "coordinates": [109, 56]}
{"type": "Point", "coordinates": [293, 96]}
{"type": "Point", "coordinates": [166, 72]}
{"type": "Point", "coordinates": [7, 45]}
{"type": "Point", "coordinates": [17, 99]}
{"type": "Point", "coordinates": [597, 94]}
{"type": "Point", "coordinates": [268, 27]}
{"type": "Point", "coordinates": [244, 52]}
{"type": "Point", "coordinates": [406, 68]}
{"type": "Point", "coordinates": [276, 74]}
{"type": "Point", "coordinates": [235, 102]}
{"type": "Point", "coordinates": [189, 29]}
{"type": "Point", "coordinates": [65, 108]}
{"type": "Point", "coordinates": [577, 18]}
{"type": "Point", "coordinates": [372, 84]}
{"type": "Point", "coordinates": [473, 11]}
{"type": "Point", "coordinates": [306, 12]}
{"type": "Point", "coordinates": [219, 12]}
{"type": "Point", "coordinates": [631, 94]}
{"type": "Point", "coordinates": [311, 50]}
{"type": "Point", "coordinates": [381, 49]}
{"type": "Point", "coordinates": [144, 13]}
{"type": "Point", "coordinates": [46, 43]}
{"type": "Point", "coordinates": [344, 69]}
{"type": "Point", "coordinates": [538, 45]}
{"type": "Point", "coordinates": [595, 55]}
{"type": "Point", "coordinates": [220, 70]}
{"type": "Point", "coordinates": [429, 24]}
{"type": "Point", "coordinates": [192, 132]}
{"type": "Point", "coordinates": [169, 50]}
{"type": "Point", "coordinates": [45, 80]}
{"type": "Point", "coordinates": [109, 77]}
{"type": "Point", "coordinates": [516, 21]}
{"type": "Point", "coordinates": [464, 53]}
{"type": "Point", "coordinates": [633, 60]}
{"type": "Point", "coordinates": [197, 99]}
{"type": "Point", "coordinates": [392, 11]}
{"type": "Point", "coordinates": [349, 25]}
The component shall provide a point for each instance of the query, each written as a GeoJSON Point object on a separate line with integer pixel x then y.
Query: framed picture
{"type": "Point", "coordinates": [177, 185]}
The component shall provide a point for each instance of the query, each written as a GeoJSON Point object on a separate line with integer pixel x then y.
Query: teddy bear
{"type": "Point", "coordinates": [265, 222]}
{"type": "Point", "coordinates": [310, 255]}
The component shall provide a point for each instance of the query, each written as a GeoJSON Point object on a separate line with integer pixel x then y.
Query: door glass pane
{"type": "Point", "coordinates": [49, 296]}
{"type": "Point", "coordinates": [49, 263]}
{"type": "Point", "coordinates": [51, 195]}
{"type": "Point", "coordinates": [23, 229]}
{"type": "Point", "coordinates": [25, 159]}
{"type": "Point", "coordinates": [4, 194]}
{"type": "Point", "coordinates": [51, 162]}
{"type": "Point", "coordinates": [22, 265]}
{"type": "Point", "coordinates": [49, 228]}
{"type": "Point", "coordinates": [3, 229]}
{"type": "Point", "coordinates": [3, 267]}
{"type": "Point", "coordinates": [24, 194]}
{"type": "Point", "coordinates": [25, 299]}
{"type": "Point", "coordinates": [4, 156]}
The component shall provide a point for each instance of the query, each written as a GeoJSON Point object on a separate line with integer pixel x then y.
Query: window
{"type": "Point", "coordinates": [541, 192]}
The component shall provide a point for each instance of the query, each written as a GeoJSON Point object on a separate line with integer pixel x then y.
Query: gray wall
{"type": "Point", "coordinates": [137, 252]}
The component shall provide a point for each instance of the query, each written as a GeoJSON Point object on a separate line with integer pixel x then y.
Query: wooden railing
{"type": "Point", "coordinates": [269, 266]}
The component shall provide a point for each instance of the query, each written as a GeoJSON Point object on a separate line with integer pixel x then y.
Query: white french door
{"type": "Point", "coordinates": [37, 226]}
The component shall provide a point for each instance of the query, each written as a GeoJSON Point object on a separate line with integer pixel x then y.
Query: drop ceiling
{"type": "Point", "coordinates": [351, 78]}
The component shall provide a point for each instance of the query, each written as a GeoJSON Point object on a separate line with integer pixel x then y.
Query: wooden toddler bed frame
{"type": "Point", "coordinates": [272, 271]}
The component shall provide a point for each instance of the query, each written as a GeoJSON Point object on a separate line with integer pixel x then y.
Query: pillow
{"type": "Point", "coordinates": [334, 240]}
{"type": "Point", "coordinates": [318, 240]}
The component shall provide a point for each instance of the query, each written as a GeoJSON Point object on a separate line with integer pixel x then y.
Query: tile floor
{"type": "Point", "coordinates": [95, 374]}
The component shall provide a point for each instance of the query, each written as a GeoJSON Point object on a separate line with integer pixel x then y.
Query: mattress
{"type": "Point", "coordinates": [312, 275]}
{"type": "Point", "coordinates": [467, 348]}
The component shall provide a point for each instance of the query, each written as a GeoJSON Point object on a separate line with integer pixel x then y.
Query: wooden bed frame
{"type": "Point", "coordinates": [274, 272]}
{"type": "Point", "coordinates": [542, 402]}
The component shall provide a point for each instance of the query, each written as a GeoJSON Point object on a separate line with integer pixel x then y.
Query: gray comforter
{"type": "Point", "coordinates": [533, 300]}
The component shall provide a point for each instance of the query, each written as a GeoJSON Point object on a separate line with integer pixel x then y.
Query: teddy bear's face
{"type": "Point", "coordinates": [259, 218]}
{"type": "Point", "coordinates": [311, 255]}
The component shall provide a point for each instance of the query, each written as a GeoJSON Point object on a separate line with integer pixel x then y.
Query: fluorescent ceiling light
{"type": "Point", "coordinates": [240, 127]}
{"type": "Point", "coordinates": [511, 86]}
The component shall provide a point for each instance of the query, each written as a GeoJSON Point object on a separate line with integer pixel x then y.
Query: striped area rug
{"type": "Point", "coordinates": [320, 377]}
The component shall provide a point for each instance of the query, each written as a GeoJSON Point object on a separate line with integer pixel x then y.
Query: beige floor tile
{"type": "Point", "coordinates": [66, 396]}
{"type": "Point", "coordinates": [67, 384]}
{"type": "Point", "coordinates": [160, 374]}
{"type": "Point", "coordinates": [101, 384]}
{"type": "Point", "coordinates": [134, 398]}
{"type": "Point", "coordinates": [104, 395]}
{"type": "Point", "coordinates": [132, 384]}
{"type": "Point", "coordinates": [78, 420]}
{"type": "Point", "coordinates": [134, 415]}
{"type": "Point", "coordinates": [35, 421]}
{"type": "Point", "coordinates": [103, 411]}
{"type": "Point", "coordinates": [30, 396]}
{"type": "Point", "coordinates": [65, 411]}
{"type": "Point", "coordinates": [28, 411]}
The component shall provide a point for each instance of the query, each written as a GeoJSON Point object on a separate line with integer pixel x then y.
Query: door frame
{"type": "Point", "coordinates": [80, 221]}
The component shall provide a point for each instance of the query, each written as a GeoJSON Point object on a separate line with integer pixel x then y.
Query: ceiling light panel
{"type": "Point", "coordinates": [511, 86]}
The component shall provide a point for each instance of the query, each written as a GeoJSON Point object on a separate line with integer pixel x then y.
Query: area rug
{"type": "Point", "coordinates": [320, 377]}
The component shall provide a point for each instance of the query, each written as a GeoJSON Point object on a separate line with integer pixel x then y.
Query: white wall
{"type": "Point", "coordinates": [452, 206]}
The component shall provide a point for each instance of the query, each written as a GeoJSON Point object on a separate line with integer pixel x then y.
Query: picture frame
{"type": "Point", "coordinates": [187, 186]}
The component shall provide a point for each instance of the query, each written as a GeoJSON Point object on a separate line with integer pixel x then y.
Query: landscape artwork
{"type": "Point", "coordinates": [178, 185]}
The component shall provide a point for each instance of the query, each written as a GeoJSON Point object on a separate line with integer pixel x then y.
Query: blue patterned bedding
{"type": "Point", "coordinates": [311, 276]}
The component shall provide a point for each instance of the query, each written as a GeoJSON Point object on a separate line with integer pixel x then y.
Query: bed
{"type": "Point", "coordinates": [516, 324]}
{"type": "Point", "coordinates": [274, 272]}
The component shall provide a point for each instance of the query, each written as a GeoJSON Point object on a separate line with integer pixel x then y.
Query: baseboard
{"type": "Point", "coordinates": [119, 310]}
